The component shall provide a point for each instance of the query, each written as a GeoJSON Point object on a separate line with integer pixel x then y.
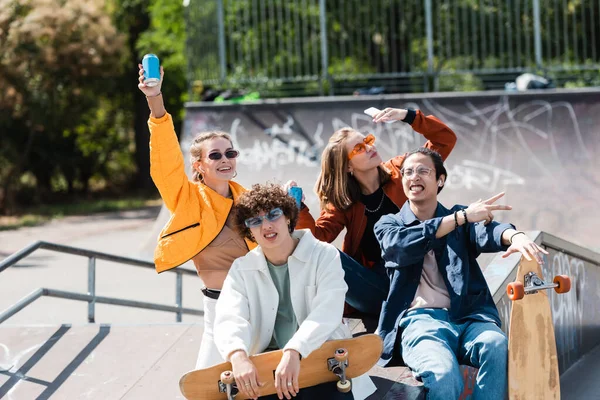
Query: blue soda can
{"type": "Point", "coordinates": [151, 66]}
{"type": "Point", "coordinates": [296, 193]}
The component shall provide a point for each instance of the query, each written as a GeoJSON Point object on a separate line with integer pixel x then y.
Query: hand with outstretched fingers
{"type": "Point", "coordinates": [521, 243]}
{"type": "Point", "coordinates": [286, 375]}
{"type": "Point", "coordinates": [390, 114]}
{"type": "Point", "coordinates": [482, 210]}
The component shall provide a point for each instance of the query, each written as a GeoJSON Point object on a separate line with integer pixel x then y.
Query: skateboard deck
{"type": "Point", "coordinates": [361, 354]}
{"type": "Point", "coordinates": [532, 358]}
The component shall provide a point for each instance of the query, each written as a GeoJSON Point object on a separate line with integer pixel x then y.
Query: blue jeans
{"type": "Point", "coordinates": [367, 288]}
{"type": "Point", "coordinates": [433, 346]}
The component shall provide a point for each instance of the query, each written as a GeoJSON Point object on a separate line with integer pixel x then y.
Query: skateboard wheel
{"type": "Point", "coordinates": [344, 387]}
{"type": "Point", "coordinates": [341, 355]}
{"type": "Point", "coordinates": [515, 291]}
{"type": "Point", "coordinates": [563, 282]}
{"type": "Point", "coordinates": [227, 378]}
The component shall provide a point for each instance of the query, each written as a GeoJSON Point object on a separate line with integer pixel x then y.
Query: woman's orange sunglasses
{"type": "Point", "coordinates": [369, 140]}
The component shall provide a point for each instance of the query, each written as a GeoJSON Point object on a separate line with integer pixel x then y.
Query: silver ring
{"type": "Point", "coordinates": [289, 383]}
{"type": "Point", "coordinates": [246, 384]}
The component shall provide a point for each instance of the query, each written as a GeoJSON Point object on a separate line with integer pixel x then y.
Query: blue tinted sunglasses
{"type": "Point", "coordinates": [272, 215]}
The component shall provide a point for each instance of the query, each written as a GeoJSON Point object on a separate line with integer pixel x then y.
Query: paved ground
{"type": "Point", "coordinates": [123, 362]}
{"type": "Point", "coordinates": [123, 233]}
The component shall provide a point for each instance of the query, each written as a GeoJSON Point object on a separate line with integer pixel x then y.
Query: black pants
{"type": "Point", "coordinates": [325, 391]}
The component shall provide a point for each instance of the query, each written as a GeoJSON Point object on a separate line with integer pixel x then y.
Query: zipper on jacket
{"type": "Point", "coordinates": [180, 230]}
{"type": "Point", "coordinates": [200, 251]}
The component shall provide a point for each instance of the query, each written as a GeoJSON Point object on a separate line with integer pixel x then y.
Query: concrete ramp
{"type": "Point", "coordinates": [96, 361]}
{"type": "Point", "coordinates": [122, 362]}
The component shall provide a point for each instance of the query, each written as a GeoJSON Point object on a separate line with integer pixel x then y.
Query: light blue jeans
{"type": "Point", "coordinates": [433, 346]}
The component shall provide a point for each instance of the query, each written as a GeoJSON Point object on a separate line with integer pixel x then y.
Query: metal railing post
{"type": "Point", "coordinates": [92, 289]}
{"type": "Point", "coordinates": [429, 27]}
{"type": "Point", "coordinates": [21, 304]}
{"type": "Point", "coordinates": [537, 33]}
{"type": "Point", "coordinates": [91, 297]}
{"type": "Point", "coordinates": [179, 295]}
{"type": "Point", "coordinates": [324, 51]}
{"type": "Point", "coordinates": [221, 30]}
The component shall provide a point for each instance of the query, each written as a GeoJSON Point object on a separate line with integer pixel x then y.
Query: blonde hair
{"type": "Point", "coordinates": [335, 185]}
{"type": "Point", "coordinates": [196, 149]}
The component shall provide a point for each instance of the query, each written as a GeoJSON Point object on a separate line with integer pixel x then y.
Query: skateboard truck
{"type": "Point", "coordinates": [338, 365]}
{"type": "Point", "coordinates": [533, 284]}
{"type": "Point", "coordinates": [227, 385]}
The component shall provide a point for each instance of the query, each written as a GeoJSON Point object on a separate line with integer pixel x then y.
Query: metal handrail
{"type": "Point", "coordinates": [91, 298]}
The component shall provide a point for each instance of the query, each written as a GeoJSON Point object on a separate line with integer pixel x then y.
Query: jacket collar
{"type": "Point", "coordinates": [306, 245]}
{"type": "Point", "coordinates": [408, 217]}
{"type": "Point", "coordinates": [236, 190]}
{"type": "Point", "coordinates": [256, 260]}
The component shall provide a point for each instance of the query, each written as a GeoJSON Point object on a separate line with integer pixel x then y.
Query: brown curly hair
{"type": "Point", "coordinates": [263, 198]}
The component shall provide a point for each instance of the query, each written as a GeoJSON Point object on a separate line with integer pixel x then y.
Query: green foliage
{"type": "Point", "coordinates": [68, 92]}
{"type": "Point", "coordinates": [56, 56]}
{"type": "Point", "coordinates": [267, 41]}
{"type": "Point", "coordinates": [167, 38]}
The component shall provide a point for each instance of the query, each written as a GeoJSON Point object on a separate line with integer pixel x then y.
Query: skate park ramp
{"type": "Point", "coordinates": [539, 147]}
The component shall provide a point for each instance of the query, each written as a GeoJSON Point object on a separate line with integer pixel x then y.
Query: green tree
{"type": "Point", "coordinates": [57, 57]}
{"type": "Point", "coordinates": [157, 27]}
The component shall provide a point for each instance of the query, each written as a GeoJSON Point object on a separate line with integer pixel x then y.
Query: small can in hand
{"type": "Point", "coordinates": [151, 66]}
{"type": "Point", "coordinates": [296, 193]}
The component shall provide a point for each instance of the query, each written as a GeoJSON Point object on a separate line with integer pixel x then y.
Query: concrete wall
{"type": "Point", "coordinates": [541, 148]}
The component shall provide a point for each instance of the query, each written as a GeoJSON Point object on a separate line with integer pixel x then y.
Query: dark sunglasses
{"type": "Point", "coordinates": [229, 154]}
{"type": "Point", "coordinates": [272, 216]}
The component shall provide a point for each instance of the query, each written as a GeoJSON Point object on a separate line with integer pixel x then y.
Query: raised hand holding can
{"type": "Point", "coordinates": [151, 66]}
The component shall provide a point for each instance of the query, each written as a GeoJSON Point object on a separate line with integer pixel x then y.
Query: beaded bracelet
{"type": "Point", "coordinates": [465, 215]}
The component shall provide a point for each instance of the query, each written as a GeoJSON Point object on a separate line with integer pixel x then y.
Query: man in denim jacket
{"type": "Point", "coordinates": [439, 299]}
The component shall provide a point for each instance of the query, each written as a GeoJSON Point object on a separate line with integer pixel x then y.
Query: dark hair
{"type": "Point", "coordinates": [438, 162]}
{"type": "Point", "coordinates": [263, 198]}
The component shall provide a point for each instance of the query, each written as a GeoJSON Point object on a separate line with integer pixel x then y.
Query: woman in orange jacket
{"type": "Point", "coordinates": [355, 188]}
{"type": "Point", "coordinates": [199, 228]}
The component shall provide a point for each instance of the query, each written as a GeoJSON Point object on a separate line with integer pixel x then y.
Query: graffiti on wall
{"type": "Point", "coordinates": [541, 152]}
{"type": "Point", "coordinates": [491, 132]}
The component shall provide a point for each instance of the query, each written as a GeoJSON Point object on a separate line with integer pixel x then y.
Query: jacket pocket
{"type": "Point", "coordinates": [180, 230]}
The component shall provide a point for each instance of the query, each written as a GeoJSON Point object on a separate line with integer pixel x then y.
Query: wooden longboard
{"type": "Point", "coordinates": [363, 352]}
{"type": "Point", "coordinates": [532, 358]}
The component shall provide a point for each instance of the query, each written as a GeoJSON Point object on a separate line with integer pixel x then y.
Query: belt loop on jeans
{"type": "Point", "coordinates": [211, 293]}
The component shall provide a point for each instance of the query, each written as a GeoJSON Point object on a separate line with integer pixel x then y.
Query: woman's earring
{"type": "Point", "coordinates": [352, 173]}
{"type": "Point", "coordinates": [234, 174]}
